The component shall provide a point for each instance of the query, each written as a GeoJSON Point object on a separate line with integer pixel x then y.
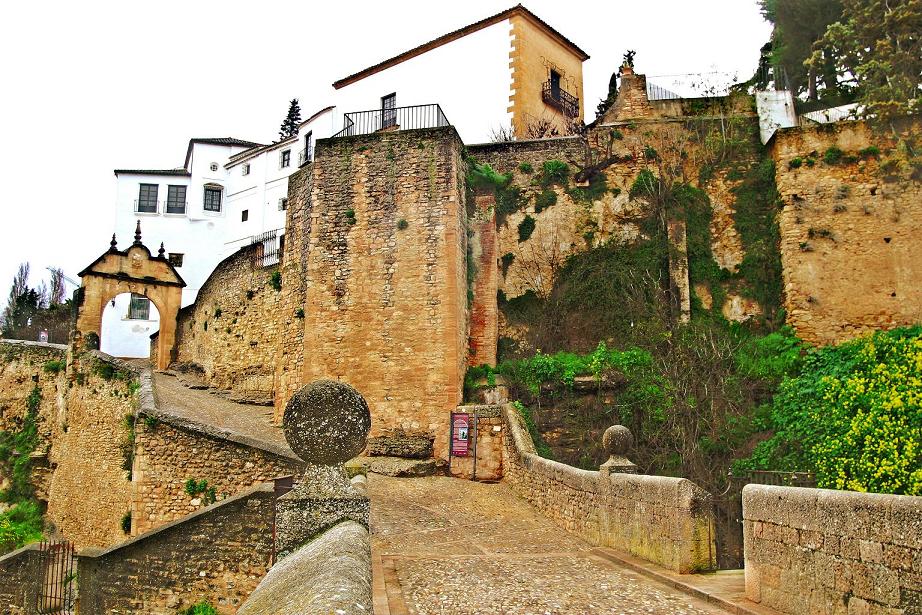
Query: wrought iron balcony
{"type": "Point", "coordinates": [560, 99]}
{"type": "Point", "coordinates": [145, 206]}
{"type": "Point", "coordinates": [397, 118]}
{"type": "Point", "coordinates": [305, 156]}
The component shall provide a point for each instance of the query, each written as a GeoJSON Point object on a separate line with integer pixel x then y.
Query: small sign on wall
{"type": "Point", "coordinates": [43, 335]}
{"type": "Point", "coordinates": [460, 431]}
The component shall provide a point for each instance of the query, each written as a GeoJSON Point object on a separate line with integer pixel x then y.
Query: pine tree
{"type": "Point", "coordinates": [290, 124]}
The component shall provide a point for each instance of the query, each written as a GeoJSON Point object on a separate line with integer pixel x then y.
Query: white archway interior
{"type": "Point", "coordinates": [128, 321]}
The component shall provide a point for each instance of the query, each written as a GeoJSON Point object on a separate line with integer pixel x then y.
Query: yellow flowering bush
{"type": "Point", "coordinates": [853, 415]}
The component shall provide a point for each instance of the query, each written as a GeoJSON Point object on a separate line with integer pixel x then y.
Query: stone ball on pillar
{"type": "Point", "coordinates": [326, 422]}
{"type": "Point", "coordinates": [617, 441]}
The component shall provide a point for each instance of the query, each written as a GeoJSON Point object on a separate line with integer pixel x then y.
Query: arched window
{"type": "Point", "coordinates": [212, 197]}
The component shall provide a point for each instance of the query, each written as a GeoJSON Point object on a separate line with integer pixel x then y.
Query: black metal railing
{"type": "Point", "coordinates": [146, 207]}
{"type": "Point", "coordinates": [658, 92]}
{"type": "Point", "coordinates": [728, 509]}
{"type": "Point", "coordinates": [560, 99]}
{"type": "Point", "coordinates": [398, 118]}
{"type": "Point", "coordinates": [58, 584]}
{"type": "Point", "coordinates": [305, 156]}
{"type": "Point", "coordinates": [269, 247]}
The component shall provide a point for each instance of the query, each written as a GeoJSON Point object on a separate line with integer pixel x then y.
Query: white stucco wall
{"type": "Point", "coordinates": [123, 337]}
{"type": "Point", "coordinates": [776, 110]}
{"type": "Point", "coordinates": [470, 78]}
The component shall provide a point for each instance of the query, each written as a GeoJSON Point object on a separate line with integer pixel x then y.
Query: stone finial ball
{"type": "Point", "coordinates": [326, 422]}
{"type": "Point", "coordinates": [617, 440]}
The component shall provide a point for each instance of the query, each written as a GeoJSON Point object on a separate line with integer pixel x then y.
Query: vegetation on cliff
{"type": "Point", "coordinates": [853, 414]}
{"type": "Point", "coordinates": [21, 522]}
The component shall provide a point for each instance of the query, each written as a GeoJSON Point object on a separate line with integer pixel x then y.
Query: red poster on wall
{"type": "Point", "coordinates": [460, 427]}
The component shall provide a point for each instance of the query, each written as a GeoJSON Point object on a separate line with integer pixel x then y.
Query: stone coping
{"type": "Point", "coordinates": [28, 343]}
{"type": "Point", "coordinates": [330, 574]}
{"type": "Point", "coordinates": [260, 488]}
{"type": "Point", "coordinates": [20, 551]}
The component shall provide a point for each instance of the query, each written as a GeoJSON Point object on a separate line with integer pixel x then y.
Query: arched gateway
{"type": "Point", "coordinates": [133, 270]}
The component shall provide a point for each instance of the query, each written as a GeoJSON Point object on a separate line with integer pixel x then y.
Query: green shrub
{"type": "Point", "coordinates": [53, 367]}
{"type": "Point", "coordinates": [402, 224]}
{"type": "Point", "coordinates": [853, 414]}
{"type": "Point", "coordinates": [525, 167]}
{"type": "Point", "coordinates": [299, 313]}
{"type": "Point", "coordinates": [795, 162]}
{"type": "Point", "coordinates": [275, 280]}
{"type": "Point", "coordinates": [20, 525]}
{"type": "Point", "coordinates": [833, 155]}
{"type": "Point", "coordinates": [526, 228]}
{"type": "Point", "coordinates": [872, 151]}
{"type": "Point", "coordinates": [350, 217]}
{"type": "Point", "coordinates": [126, 523]}
{"type": "Point", "coordinates": [545, 199]}
{"type": "Point", "coordinates": [554, 172]}
{"type": "Point", "coordinates": [506, 261]}
{"type": "Point", "coordinates": [200, 608]}
{"type": "Point", "coordinates": [541, 446]}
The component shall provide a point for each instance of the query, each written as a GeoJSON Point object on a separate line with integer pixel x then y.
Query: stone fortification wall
{"type": "Point", "coordinates": [850, 231]}
{"type": "Point", "coordinates": [229, 336]}
{"type": "Point", "coordinates": [19, 588]}
{"type": "Point", "coordinates": [824, 551]}
{"type": "Point", "coordinates": [484, 325]}
{"type": "Point", "coordinates": [664, 520]}
{"type": "Point", "coordinates": [330, 574]}
{"type": "Point", "coordinates": [289, 351]}
{"type": "Point", "coordinates": [24, 366]}
{"type": "Point", "coordinates": [217, 555]}
{"type": "Point", "coordinates": [167, 455]}
{"type": "Point", "coordinates": [90, 489]}
{"type": "Point", "coordinates": [383, 256]}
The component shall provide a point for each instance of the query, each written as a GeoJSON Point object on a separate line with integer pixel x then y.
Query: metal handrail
{"type": "Point", "coordinates": [138, 210]}
{"type": "Point", "coordinates": [561, 99]}
{"type": "Point", "coordinates": [305, 156]}
{"type": "Point", "coordinates": [397, 118]}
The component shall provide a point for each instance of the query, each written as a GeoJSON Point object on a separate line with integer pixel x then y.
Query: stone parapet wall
{"type": "Point", "coordinates": [824, 551]}
{"type": "Point", "coordinates": [19, 587]}
{"type": "Point", "coordinates": [665, 520]}
{"type": "Point", "coordinates": [850, 231]}
{"type": "Point", "coordinates": [218, 555]}
{"type": "Point", "coordinates": [330, 574]}
{"type": "Point", "coordinates": [230, 334]}
{"type": "Point", "coordinates": [166, 456]}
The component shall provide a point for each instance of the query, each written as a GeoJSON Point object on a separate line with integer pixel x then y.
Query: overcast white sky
{"type": "Point", "coordinates": [91, 86]}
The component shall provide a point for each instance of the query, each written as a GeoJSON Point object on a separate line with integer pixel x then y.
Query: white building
{"type": "Point", "coordinates": [502, 72]}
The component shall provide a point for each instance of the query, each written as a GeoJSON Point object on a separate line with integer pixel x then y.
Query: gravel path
{"type": "Point", "coordinates": [450, 546]}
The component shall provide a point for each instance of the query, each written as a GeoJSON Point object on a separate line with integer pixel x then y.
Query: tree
{"type": "Point", "coordinates": [19, 286]}
{"type": "Point", "coordinates": [878, 47]}
{"type": "Point", "coordinates": [58, 290]}
{"type": "Point", "coordinates": [799, 25]}
{"type": "Point", "coordinates": [290, 123]}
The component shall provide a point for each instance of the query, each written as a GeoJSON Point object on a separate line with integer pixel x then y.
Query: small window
{"type": "Point", "coordinates": [212, 201]}
{"type": "Point", "coordinates": [147, 199]}
{"type": "Point", "coordinates": [175, 259]}
{"type": "Point", "coordinates": [214, 167]}
{"type": "Point", "coordinates": [285, 159]}
{"type": "Point", "coordinates": [176, 200]}
{"type": "Point", "coordinates": [139, 308]}
{"type": "Point", "coordinates": [283, 204]}
{"type": "Point", "coordinates": [244, 215]}
{"type": "Point", "coordinates": [246, 168]}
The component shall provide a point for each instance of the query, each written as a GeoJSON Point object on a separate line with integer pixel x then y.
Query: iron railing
{"type": "Point", "coordinates": [146, 207]}
{"type": "Point", "coordinates": [658, 92]}
{"type": "Point", "coordinates": [58, 584]}
{"type": "Point", "coordinates": [728, 509]}
{"type": "Point", "coordinates": [398, 118]}
{"type": "Point", "coordinates": [269, 247]}
{"type": "Point", "coordinates": [560, 99]}
{"type": "Point", "coordinates": [176, 207]}
{"type": "Point", "coordinates": [305, 156]}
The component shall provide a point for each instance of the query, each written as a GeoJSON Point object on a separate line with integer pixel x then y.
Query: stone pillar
{"type": "Point", "coordinates": [617, 441]}
{"type": "Point", "coordinates": [326, 424]}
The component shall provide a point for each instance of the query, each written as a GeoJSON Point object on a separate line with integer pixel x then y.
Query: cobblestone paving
{"type": "Point", "coordinates": [459, 547]}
